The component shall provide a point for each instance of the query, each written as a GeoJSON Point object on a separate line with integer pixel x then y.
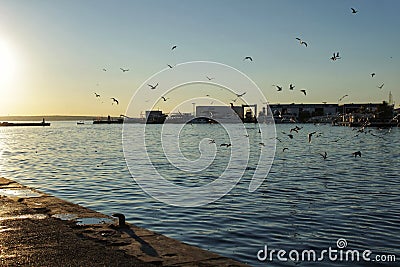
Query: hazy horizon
{"type": "Point", "coordinates": [52, 54]}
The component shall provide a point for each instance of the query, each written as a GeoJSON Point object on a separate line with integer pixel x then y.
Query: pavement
{"type": "Point", "coordinates": [32, 234]}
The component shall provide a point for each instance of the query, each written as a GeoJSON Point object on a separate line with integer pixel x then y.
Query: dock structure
{"type": "Point", "coordinates": [37, 229]}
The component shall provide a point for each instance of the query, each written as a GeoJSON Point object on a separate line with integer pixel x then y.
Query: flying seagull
{"type": "Point", "coordinates": [170, 66]}
{"type": "Point", "coordinates": [240, 95]}
{"type": "Point", "coordinates": [303, 91]}
{"type": "Point", "coordinates": [325, 155]}
{"type": "Point", "coordinates": [163, 98]}
{"type": "Point", "coordinates": [227, 145]}
{"type": "Point", "coordinates": [173, 47]}
{"type": "Point", "coordinates": [301, 42]}
{"type": "Point", "coordinates": [357, 153]}
{"type": "Point", "coordinates": [353, 10]}
{"type": "Point", "coordinates": [97, 95]}
{"type": "Point", "coordinates": [124, 70]}
{"type": "Point", "coordinates": [114, 100]}
{"type": "Point", "coordinates": [285, 148]}
{"type": "Point", "coordinates": [291, 87]}
{"type": "Point", "coordinates": [340, 99]}
{"type": "Point", "coordinates": [104, 70]}
{"type": "Point", "coordinates": [310, 136]}
{"type": "Point", "coordinates": [210, 78]}
{"type": "Point", "coordinates": [335, 56]}
{"type": "Point", "coordinates": [248, 58]}
{"type": "Point", "coordinates": [381, 86]}
{"type": "Point", "coordinates": [153, 86]}
{"type": "Point", "coordinates": [373, 74]}
{"type": "Point", "coordinates": [278, 88]}
{"type": "Point", "coordinates": [211, 141]}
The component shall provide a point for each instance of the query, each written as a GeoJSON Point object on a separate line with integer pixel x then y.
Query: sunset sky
{"type": "Point", "coordinates": [52, 52]}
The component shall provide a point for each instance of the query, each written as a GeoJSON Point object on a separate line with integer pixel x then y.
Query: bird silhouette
{"type": "Point", "coordinates": [325, 155]}
{"type": "Point", "coordinates": [290, 136]}
{"type": "Point", "coordinates": [114, 100]}
{"type": "Point", "coordinates": [153, 86]}
{"type": "Point", "coordinates": [303, 91]}
{"type": "Point", "coordinates": [210, 78]}
{"type": "Point", "coordinates": [278, 88]}
{"type": "Point", "coordinates": [240, 95]}
{"type": "Point", "coordinates": [291, 87]}
{"type": "Point", "coordinates": [301, 42]}
{"type": "Point", "coordinates": [227, 145]}
{"type": "Point", "coordinates": [353, 10]}
{"type": "Point", "coordinates": [284, 149]}
{"type": "Point", "coordinates": [381, 86]}
{"type": "Point", "coordinates": [248, 58]}
{"type": "Point", "coordinates": [211, 141]}
{"type": "Point", "coordinates": [170, 66]}
{"type": "Point", "coordinates": [173, 47]}
{"type": "Point", "coordinates": [104, 70]}
{"type": "Point", "coordinates": [372, 74]}
{"type": "Point", "coordinates": [310, 136]}
{"type": "Point", "coordinates": [163, 98]}
{"type": "Point", "coordinates": [357, 153]}
{"type": "Point", "coordinates": [97, 95]}
{"type": "Point", "coordinates": [124, 70]}
{"type": "Point", "coordinates": [340, 99]}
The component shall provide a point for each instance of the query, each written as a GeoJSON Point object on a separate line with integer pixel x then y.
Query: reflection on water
{"type": "Point", "coordinates": [306, 202]}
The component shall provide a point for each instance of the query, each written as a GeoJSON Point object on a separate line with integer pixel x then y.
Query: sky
{"type": "Point", "coordinates": [52, 53]}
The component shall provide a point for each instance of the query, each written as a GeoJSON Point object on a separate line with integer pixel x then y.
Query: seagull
{"type": "Point", "coordinates": [97, 95]}
{"type": "Point", "coordinates": [373, 74]}
{"type": "Point", "coordinates": [278, 88]}
{"type": "Point", "coordinates": [353, 10]}
{"type": "Point", "coordinates": [303, 91]}
{"type": "Point", "coordinates": [121, 219]}
{"type": "Point", "coordinates": [227, 145]}
{"type": "Point", "coordinates": [335, 56]}
{"type": "Point", "coordinates": [114, 100]}
{"type": "Point", "coordinates": [381, 86]}
{"type": "Point", "coordinates": [325, 155]}
{"type": "Point", "coordinates": [357, 153]}
{"type": "Point", "coordinates": [296, 129]}
{"type": "Point", "coordinates": [290, 136]}
{"type": "Point", "coordinates": [104, 70]}
{"type": "Point", "coordinates": [301, 42]}
{"type": "Point", "coordinates": [211, 141]}
{"type": "Point", "coordinates": [210, 78]}
{"type": "Point", "coordinates": [173, 47]}
{"type": "Point", "coordinates": [124, 70]}
{"type": "Point", "coordinates": [163, 98]}
{"type": "Point", "coordinates": [153, 86]}
{"type": "Point", "coordinates": [291, 87]}
{"type": "Point", "coordinates": [240, 95]}
{"type": "Point", "coordinates": [277, 138]}
{"type": "Point", "coordinates": [249, 58]}
{"type": "Point", "coordinates": [262, 144]}
{"type": "Point", "coordinates": [310, 136]}
{"type": "Point", "coordinates": [285, 148]}
{"type": "Point", "coordinates": [340, 99]}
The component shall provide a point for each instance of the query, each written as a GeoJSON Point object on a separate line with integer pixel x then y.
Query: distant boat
{"type": "Point", "coordinates": [80, 123]}
{"type": "Point", "coordinates": [6, 124]}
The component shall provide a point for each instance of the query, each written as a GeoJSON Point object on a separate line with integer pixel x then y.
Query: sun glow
{"type": "Point", "coordinates": [7, 65]}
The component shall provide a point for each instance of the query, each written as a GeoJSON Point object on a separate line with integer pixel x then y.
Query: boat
{"type": "Point", "coordinates": [109, 121]}
{"type": "Point", "coordinates": [7, 124]}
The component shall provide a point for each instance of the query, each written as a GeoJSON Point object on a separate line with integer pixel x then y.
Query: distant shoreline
{"type": "Point", "coordinates": [49, 118]}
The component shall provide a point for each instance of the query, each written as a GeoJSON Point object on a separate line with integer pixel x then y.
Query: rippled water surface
{"type": "Point", "coordinates": [306, 202]}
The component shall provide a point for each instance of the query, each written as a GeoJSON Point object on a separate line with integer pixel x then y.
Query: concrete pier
{"type": "Point", "coordinates": [37, 229]}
